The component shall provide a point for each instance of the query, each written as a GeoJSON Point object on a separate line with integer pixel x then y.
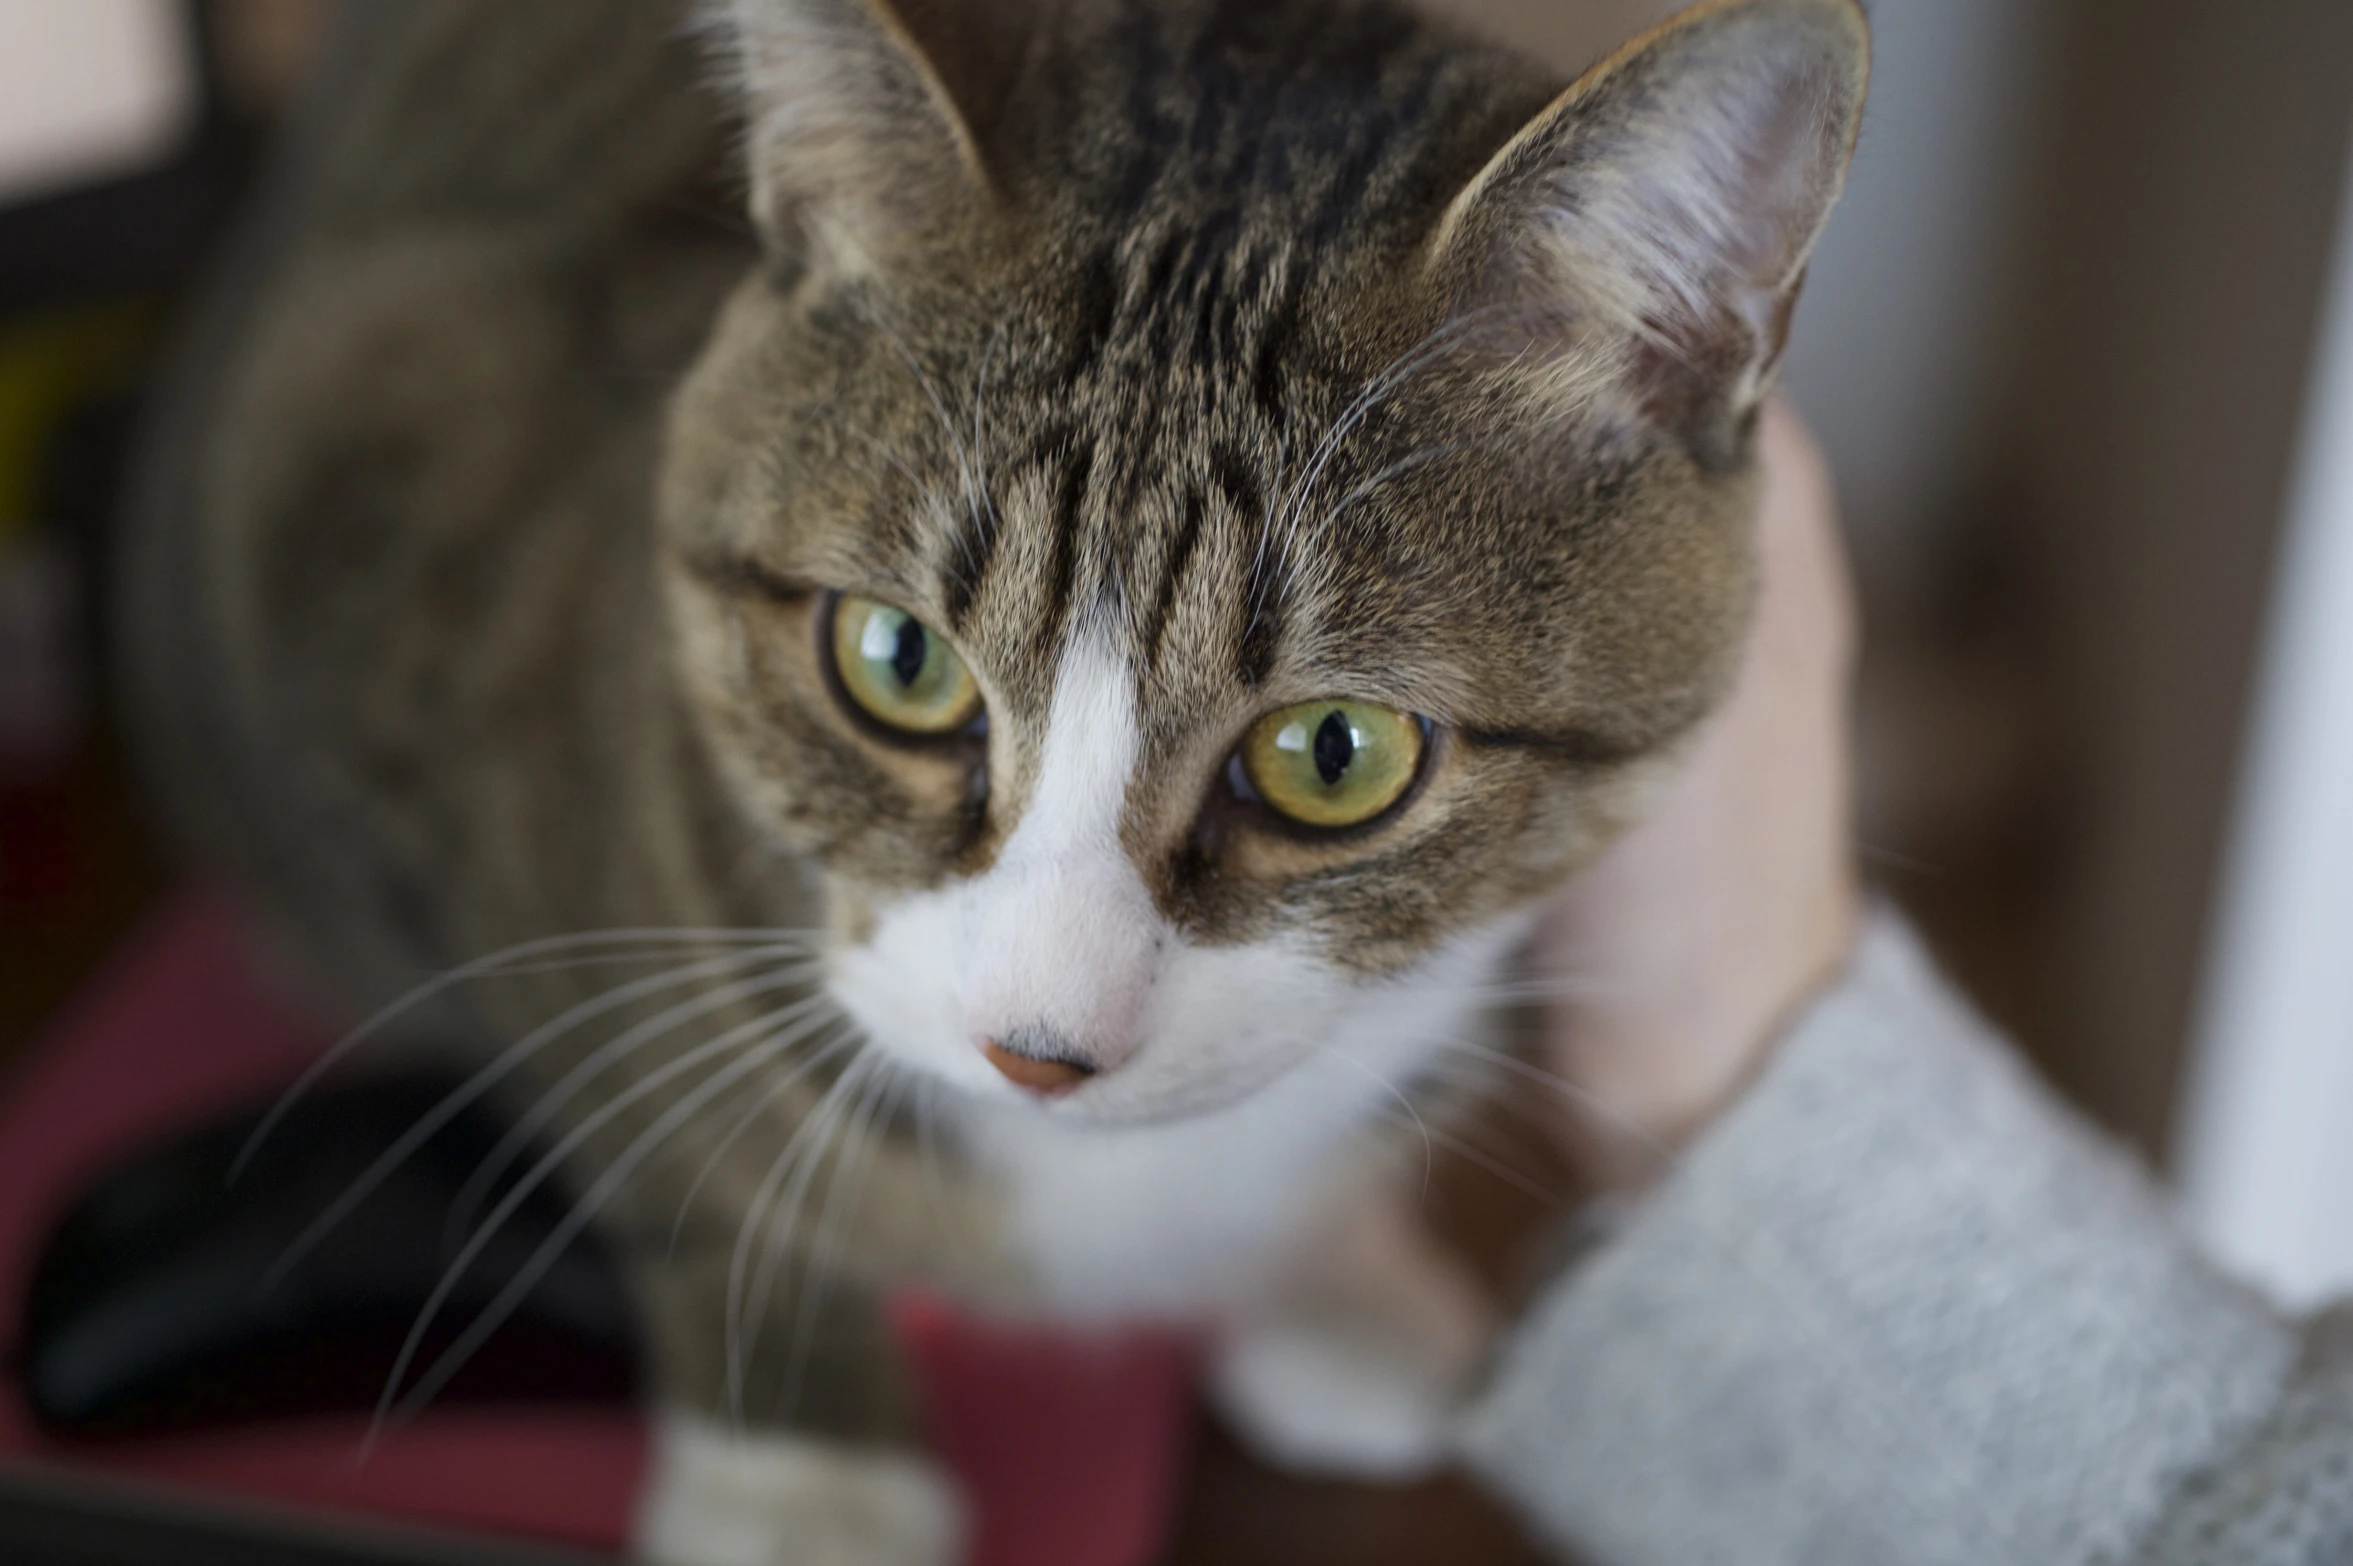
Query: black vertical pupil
{"type": "Point", "coordinates": [907, 657]}
{"type": "Point", "coordinates": [1335, 748]}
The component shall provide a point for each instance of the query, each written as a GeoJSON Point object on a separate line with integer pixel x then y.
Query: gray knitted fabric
{"type": "Point", "coordinates": [1899, 1307]}
{"type": "Point", "coordinates": [2284, 1497]}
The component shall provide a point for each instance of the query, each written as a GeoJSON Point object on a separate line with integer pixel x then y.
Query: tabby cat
{"type": "Point", "coordinates": [980, 728]}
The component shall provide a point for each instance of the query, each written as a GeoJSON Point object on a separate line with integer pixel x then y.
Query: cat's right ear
{"type": "Point", "coordinates": [864, 119]}
{"type": "Point", "coordinates": [1637, 248]}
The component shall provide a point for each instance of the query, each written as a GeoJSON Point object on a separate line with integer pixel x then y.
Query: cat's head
{"type": "Point", "coordinates": [1210, 510]}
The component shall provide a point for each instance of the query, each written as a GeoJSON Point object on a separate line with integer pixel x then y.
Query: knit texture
{"type": "Point", "coordinates": [2284, 1497]}
{"type": "Point", "coordinates": [1897, 1307]}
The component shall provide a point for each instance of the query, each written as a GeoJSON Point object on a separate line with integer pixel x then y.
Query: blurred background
{"type": "Point", "coordinates": [2080, 343]}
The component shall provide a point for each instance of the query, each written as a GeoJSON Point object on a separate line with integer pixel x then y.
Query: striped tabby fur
{"type": "Point", "coordinates": [1177, 360]}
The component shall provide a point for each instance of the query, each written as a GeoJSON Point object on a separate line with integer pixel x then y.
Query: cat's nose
{"type": "Point", "coordinates": [1039, 1060]}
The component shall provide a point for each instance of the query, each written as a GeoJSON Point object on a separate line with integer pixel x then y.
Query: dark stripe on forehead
{"type": "Point", "coordinates": [1137, 456]}
{"type": "Point", "coordinates": [1264, 608]}
{"type": "Point", "coordinates": [1262, 592]}
{"type": "Point", "coordinates": [971, 551]}
{"type": "Point", "coordinates": [1172, 573]}
{"type": "Point", "coordinates": [1096, 313]}
{"type": "Point", "coordinates": [1069, 502]}
{"type": "Point", "coordinates": [1237, 480]}
{"type": "Point", "coordinates": [1275, 341]}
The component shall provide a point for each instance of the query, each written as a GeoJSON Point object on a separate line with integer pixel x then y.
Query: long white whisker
{"type": "Point", "coordinates": [775, 1090]}
{"type": "Point", "coordinates": [775, 1246]}
{"type": "Point", "coordinates": [780, 1171]}
{"type": "Point", "coordinates": [1334, 1052]}
{"type": "Point", "coordinates": [543, 1112]}
{"type": "Point", "coordinates": [1517, 1180]}
{"type": "Point", "coordinates": [495, 964]}
{"type": "Point", "coordinates": [473, 1088]}
{"type": "Point", "coordinates": [1394, 471]}
{"type": "Point", "coordinates": [1583, 1099]}
{"type": "Point", "coordinates": [1379, 389]}
{"type": "Point", "coordinates": [841, 1197]}
{"type": "Point", "coordinates": [768, 1042]}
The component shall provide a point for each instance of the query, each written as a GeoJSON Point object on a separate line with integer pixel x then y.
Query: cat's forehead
{"type": "Point", "coordinates": [1193, 388]}
{"type": "Point", "coordinates": [1253, 488]}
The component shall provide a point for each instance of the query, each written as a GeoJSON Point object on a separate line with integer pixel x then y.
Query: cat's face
{"type": "Point", "coordinates": [1193, 565]}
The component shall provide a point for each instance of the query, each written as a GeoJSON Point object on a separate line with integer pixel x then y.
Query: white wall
{"type": "Point", "coordinates": [89, 89]}
{"type": "Point", "coordinates": [1899, 337]}
{"type": "Point", "coordinates": [2265, 1150]}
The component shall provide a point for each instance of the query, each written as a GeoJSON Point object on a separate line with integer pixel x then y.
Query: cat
{"type": "Point", "coordinates": [983, 727]}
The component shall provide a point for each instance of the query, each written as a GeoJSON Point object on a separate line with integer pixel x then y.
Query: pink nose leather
{"type": "Point", "coordinates": [1046, 1078]}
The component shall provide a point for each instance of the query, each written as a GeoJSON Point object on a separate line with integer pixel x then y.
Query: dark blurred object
{"type": "Point", "coordinates": [146, 230]}
{"type": "Point", "coordinates": [75, 866]}
{"type": "Point", "coordinates": [49, 1520]}
{"type": "Point", "coordinates": [2194, 159]}
{"type": "Point", "coordinates": [148, 1310]}
{"type": "Point", "coordinates": [264, 50]}
{"type": "Point", "coordinates": [89, 277]}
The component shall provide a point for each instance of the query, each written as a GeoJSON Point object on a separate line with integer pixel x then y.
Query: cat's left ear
{"type": "Point", "coordinates": [866, 119]}
{"type": "Point", "coordinates": [1639, 245]}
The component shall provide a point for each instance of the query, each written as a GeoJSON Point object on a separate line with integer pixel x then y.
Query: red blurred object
{"type": "Point", "coordinates": [1070, 1448]}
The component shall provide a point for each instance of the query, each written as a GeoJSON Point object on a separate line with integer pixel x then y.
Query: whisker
{"type": "Point", "coordinates": [841, 1199]}
{"type": "Point", "coordinates": [456, 1101]}
{"type": "Point", "coordinates": [1470, 1151]}
{"type": "Point", "coordinates": [768, 1042]}
{"type": "Point", "coordinates": [1380, 388]}
{"type": "Point", "coordinates": [1394, 471]}
{"type": "Point", "coordinates": [1583, 1099]}
{"type": "Point", "coordinates": [780, 1171]}
{"type": "Point", "coordinates": [776, 1245]}
{"type": "Point", "coordinates": [777, 1089]}
{"type": "Point", "coordinates": [495, 964]}
{"type": "Point", "coordinates": [530, 1124]}
{"type": "Point", "coordinates": [1334, 1052]}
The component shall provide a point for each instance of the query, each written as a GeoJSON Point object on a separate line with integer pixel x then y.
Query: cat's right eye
{"type": "Point", "coordinates": [1333, 764]}
{"type": "Point", "coordinates": [899, 671]}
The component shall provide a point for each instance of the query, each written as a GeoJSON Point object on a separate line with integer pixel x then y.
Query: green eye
{"type": "Point", "coordinates": [899, 670]}
{"type": "Point", "coordinates": [1332, 763]}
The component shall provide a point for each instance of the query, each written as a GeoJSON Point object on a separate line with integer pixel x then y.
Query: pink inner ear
{"type": "Point", "coordinates": [1718, 213]}
{"type": "Point", "coordinates": [1664, 212]}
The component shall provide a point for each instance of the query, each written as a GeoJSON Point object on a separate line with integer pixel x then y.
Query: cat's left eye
{"type": "Point", "coordinates": [1333, 764]}
{"type": "Point", "coordinates": [899, 671]}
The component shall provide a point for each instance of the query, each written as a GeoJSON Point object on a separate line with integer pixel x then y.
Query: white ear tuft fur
{"type": "Point", "coordinates": [1657, 217]}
